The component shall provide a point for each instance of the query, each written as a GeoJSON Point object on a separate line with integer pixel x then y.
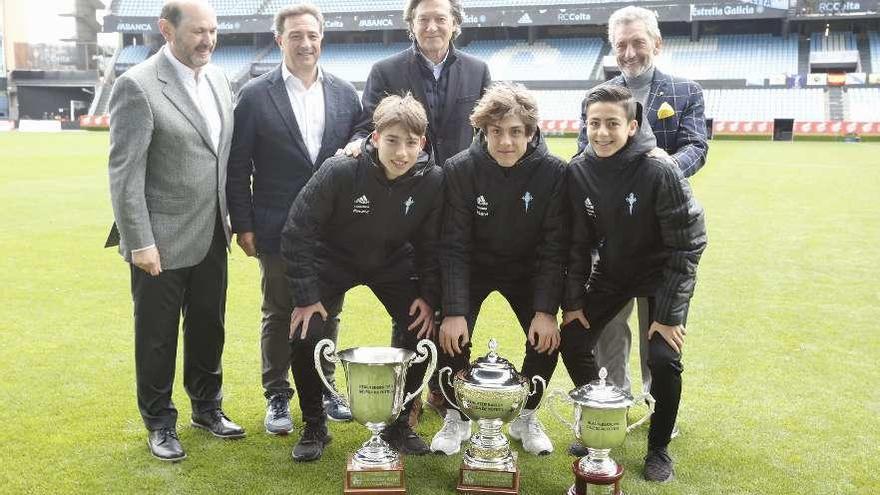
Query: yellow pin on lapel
{"type": "Point", "coordinates": [665, 111]}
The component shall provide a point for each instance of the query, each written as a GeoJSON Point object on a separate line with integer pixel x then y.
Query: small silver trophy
{"type": "Point", "coordinates": [375, 380]}
{"type": "Point", "coordinates": [600, 424]}
{"type": "Point", "coordinates": [491, 392]}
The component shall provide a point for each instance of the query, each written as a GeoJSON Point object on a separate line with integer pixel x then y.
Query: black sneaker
{"type": "Point", "coordinates": [334, 407]}
{"type": "Point", "coordinates": [401, 436]}
{"type": "Point", "coordinates": [658, 466]}
{"type": "Point", "coordinates": [311, 444]}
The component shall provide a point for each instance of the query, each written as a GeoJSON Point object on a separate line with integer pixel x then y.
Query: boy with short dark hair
{"type": "Point", "coordinates": [371, 220]}
{"type": "Point", "coordinates": [638, 212]}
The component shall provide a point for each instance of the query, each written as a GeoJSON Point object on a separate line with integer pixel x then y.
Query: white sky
{"type": "Point", "coordinates": [45, 25]}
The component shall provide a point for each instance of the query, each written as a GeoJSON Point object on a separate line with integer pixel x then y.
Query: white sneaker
{"type": "Point", "coordinates": [453, 432]}
{"type": "Point", "coordinates": [527, 429]}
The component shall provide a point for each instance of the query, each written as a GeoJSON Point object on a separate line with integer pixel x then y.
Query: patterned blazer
{"type": "Point", "coordinates": [683, 134]}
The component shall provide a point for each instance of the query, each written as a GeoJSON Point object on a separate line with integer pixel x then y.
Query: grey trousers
{"type": "Point", "coordinates": [613, 347]}
{"type": "Point", "coordinates": [275, 327]}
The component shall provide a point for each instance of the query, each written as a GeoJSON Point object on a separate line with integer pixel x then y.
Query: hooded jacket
{"type": "Point", "coordinates": [504, 223]}
{"type": "Point", "coordinates": [640, 214]}
{"type": "Point", "coordinates": [349, 216]}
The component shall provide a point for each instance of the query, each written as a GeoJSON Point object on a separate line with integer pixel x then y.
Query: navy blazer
{"type": "Point", "coordinates": [468, 79]}
{"type": "Point", "coordinates": [269, 163]}
{"type": "Point", "coordinates": [683, 135]}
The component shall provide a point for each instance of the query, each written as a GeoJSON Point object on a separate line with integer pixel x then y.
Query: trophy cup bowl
{"type": "Point", "coordinates": [491, 392]}
{"type": "Point", "coordinates": [375, 386]}
{"type": "Point", "coordinates": [600, 424]}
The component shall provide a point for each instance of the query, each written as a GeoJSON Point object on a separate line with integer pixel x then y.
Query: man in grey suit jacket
{"type": "Point", "coordinates": [171, 126]}
{"type": "Point", "coordinates": [287, 122]}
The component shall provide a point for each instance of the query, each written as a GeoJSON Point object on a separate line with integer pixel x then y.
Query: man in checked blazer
{"type": "Point", "coordinates": [673, 117]}
{"type": "Point", "coordinates": [287, 122]}
{"type": "Point", "coordinates": [170, 132]}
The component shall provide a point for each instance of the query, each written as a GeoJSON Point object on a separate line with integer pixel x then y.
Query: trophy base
{"type": "Point", "coordinates": [595, 484]}
{"type": "Point", "coordinates": [475, 481]}
{"type": "Point", "coordinates": [386, 480]}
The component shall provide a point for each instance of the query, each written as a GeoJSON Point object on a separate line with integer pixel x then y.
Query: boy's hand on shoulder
{"type": "Point", "coordinates": [578, 314]}
{"type": "Point", "coordinates": [673, 335]}
{"type": "Point", "coordinates": [544, 333]}
{"type": "Point", "coordinates": [453, 334]}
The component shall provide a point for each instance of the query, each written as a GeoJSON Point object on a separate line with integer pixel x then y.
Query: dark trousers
{"type": "Point", "coordinates": [395, 289]}
{"type": "Point", "coordinates": [578, 354]}
{"type": "Point", "coordinates": [520, 295]}
{"type": "Point", "coordinates": [275, 328]}
{"type": "Point", "coordinates": [199, 293]}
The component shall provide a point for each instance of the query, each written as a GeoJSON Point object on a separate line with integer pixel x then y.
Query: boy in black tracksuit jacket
{"type": "Point", "coordinates": [639, 213]}
{"type": "Point", "coordinates": [366, 221]}
{"type": "Point", "coordinates": [503, 229]}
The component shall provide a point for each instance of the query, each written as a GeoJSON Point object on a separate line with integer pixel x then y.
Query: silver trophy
{"type": "Point", "coordinates": [375, 379]}
{"type": "Point", "coordinates": [600, 424]}
{"type": "Point", "coordinates": [491, 392]}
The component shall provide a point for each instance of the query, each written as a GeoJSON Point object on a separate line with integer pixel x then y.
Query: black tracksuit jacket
{"type": "Point", "coordinates": [349, 216]}
{"type": "Point", "coordinates": [640, 214]}
{"type": "Point", "coordinates": [504, 223]}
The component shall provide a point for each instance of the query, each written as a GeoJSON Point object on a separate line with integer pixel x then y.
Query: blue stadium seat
{"type": "Point", "coordinates": [544, 60]}
{"type": "Point", "coordinates": [746, 56]}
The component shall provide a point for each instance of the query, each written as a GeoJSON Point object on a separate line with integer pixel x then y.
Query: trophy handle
{"type": "Point", "coordinates": [446, 371]}
{"type": "Point", "coordinates": [560, 396]}
{"type": "Point", "coordinates": [535, 380]}
{"type": "Point", "coordinates": [327, 349]}
{"type": "Point", "coordinates": [651, 401]}
{"type": "Point", "coordinates": [424, 349]}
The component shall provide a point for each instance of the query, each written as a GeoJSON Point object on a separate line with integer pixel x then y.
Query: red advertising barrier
{"type": "Point", "coordinates": [742, 128]}
{"type": "Point", "coordinates": [827, 128]}
{"type": "Point", "coordinates": [836, 128]}
{"type": "Point", "coordinates": [94, 121]}
{"type": "Point", "coordinates": [559, 126]}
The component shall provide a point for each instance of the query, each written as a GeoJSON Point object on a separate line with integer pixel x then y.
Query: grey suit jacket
{"type": "Point", "coordinates": [167, 181]}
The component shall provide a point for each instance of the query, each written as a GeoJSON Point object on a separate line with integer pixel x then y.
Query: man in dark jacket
{"type": "Point", "coordinates": [374, 221]}
{"type": "Point", "coordinates": [638, 212]}
{"type": "Point", "coordinates": [287, 122]}
{"type": "Point", "coordinates": [503, 229]}
{"type": "Point", "coordinates": [446, 81]}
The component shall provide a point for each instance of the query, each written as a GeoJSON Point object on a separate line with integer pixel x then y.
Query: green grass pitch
{"type": "Point", "coordinates": [781, 376]}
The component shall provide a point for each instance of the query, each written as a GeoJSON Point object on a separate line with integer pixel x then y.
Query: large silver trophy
{"type": "Point", "coordinates": [375, 379]}
{"type": "Point", "coordinates": [600, 424]}
{"type": "Point", "coordinates": [491, 392]}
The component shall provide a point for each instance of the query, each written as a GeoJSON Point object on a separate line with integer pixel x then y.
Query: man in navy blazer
{"type": "Point", "coordinates": [287, 122]}
{"type": "Point", "coordinates": [673, 117]}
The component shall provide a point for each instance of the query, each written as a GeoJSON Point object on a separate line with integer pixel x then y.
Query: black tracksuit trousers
{"type": "Point", "coordinates": [520, 294]}
{"type": "Point", "coordinates": [395, 289]}
{"type": "Point", "coordinates": [578, 354]}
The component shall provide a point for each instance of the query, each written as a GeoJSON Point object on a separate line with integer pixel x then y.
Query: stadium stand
{"type": "Point", "coordinates": [863, 104]}
{"type": "Point", "coordinates": [559, 104]}
{"type": "Point", "coordinates": [350, 61]}
{"type": "Point", "coordinates": [806, 105]}
{"type": "Point", "coordinates": [546, 60]}
{"type": "Point", "coordinates": [149, 8]}
{"type": "Point", "coordinates": [874, 48]}
{"type": "Point", "coordinates": [834, 42]}
{"type": "Point", "coordinates": [235, 59]}
{"type": "Point", "coordinates": [745, 56]}
{"type": "Point", "coordinates": [132, 55]}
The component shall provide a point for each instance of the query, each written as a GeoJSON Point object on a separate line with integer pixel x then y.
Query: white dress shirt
{"type": "Point", "coordinates": [308, 108]}
{"type": "Point", "coordinates": [199, 90]}
{"type": "Point", "coordinates": [437, 69]}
